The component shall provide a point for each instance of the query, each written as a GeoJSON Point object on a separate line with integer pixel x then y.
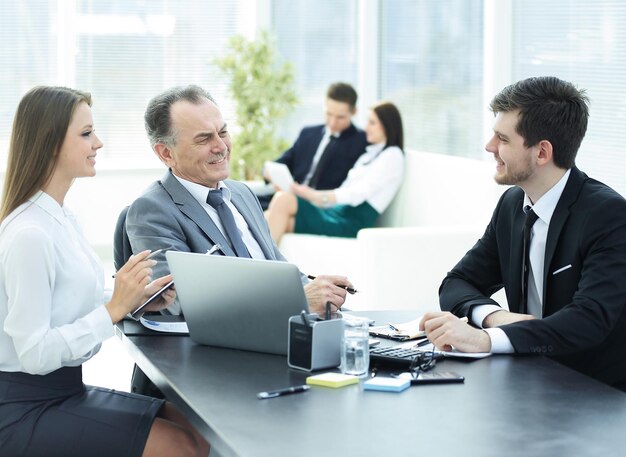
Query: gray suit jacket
{"type": "Point", "coordinates": [167, 217]}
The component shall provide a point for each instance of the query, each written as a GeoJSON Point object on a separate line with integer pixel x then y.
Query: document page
{"type": "Point", "coordinates": [399, 331]}
{"type": "Point", "coordinates": [279, 174]}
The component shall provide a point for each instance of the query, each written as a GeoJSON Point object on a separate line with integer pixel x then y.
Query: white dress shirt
{"type": "Point", "coordinates": [318, 154]}
{"type": "Point", "coordinates": [51, 290]}
{"type": "Point", "coordinates": [544, 208]}
{"type": "Point", "coordinates": [375, 177]}
{"type": "Point", "coordinates": [200, 193]}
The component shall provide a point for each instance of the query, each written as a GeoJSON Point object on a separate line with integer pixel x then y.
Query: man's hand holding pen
{"type": "Point", "coordinates": [348, 289]}
{"type": "Point", "coordinates": [327, 288]}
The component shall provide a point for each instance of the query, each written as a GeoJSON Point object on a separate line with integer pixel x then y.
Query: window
{"type": "Point", "coordinates": [122, 51]}
{"type": "Point", "coordinates": [584, 43]}
{"type": "Point", "coordinates": [431, 67]}
{"type": "Point", "coordinates": [320, 39]}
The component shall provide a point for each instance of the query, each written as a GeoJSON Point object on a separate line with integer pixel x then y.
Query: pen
{"type": "Point", "coordinates": [152, 254]}
{"type": "Point", "coordinates": [282, 392]}
{"type": "Point", "coordinates": [348, 289]}
{"type": "Point", "coordinates": [424, 342]}
{"type": "Point", "coordinates": [327, 310]}
{"type": "Point", "coordinates": [215, 248]}
{"type": "Point", "coordinates": [305, 321]}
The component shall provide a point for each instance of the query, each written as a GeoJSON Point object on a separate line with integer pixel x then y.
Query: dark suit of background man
{"type": "Point", "coordinates": [323, 154]}
{"type": "Point", "coordinates": [573, 308]}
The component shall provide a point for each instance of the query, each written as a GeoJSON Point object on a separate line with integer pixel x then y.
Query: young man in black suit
{"type": "Point", "coordinates": [571, 302]}
{"type": "Point", "coordinates": [323, 154]}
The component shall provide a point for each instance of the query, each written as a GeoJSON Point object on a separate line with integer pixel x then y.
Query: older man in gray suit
{"type": "Point", "coordinates": [190, 137]}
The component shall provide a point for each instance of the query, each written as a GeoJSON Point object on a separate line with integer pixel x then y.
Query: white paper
{"type": "Point", "coordinates": [279, 174]}
{"type": "Point", "coordinates": [165, 323]}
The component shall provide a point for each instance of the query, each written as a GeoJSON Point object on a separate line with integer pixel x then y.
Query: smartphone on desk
{"type": "Point", "coordinates": [436, 377]}
{"type": "Point", "coordinates": [139, 311]}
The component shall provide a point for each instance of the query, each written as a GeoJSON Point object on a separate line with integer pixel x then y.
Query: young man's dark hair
{"type": "Point", "coordinates": [549, 109]}
{"type": "Point", "coordinates": [342, 92]}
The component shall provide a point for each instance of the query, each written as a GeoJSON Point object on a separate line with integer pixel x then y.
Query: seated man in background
{"type": "Point", "coordinates": [195, 207]}
{"type": "Point", "coordinates": [323, 155]}
{"type": "Point", "coordinates": [556, 242]}
{"type": "Point", "coordinates": [365, 194]}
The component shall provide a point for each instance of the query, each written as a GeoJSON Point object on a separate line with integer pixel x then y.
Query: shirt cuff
{"type": "Point", "coordinates": [99, 320]}
{"type": "Point", "coordinates": [500, 343]}
{"type": "Point", "coordinates": [480, 312]}
{"type": "Point", "coordinates": [341, 198]}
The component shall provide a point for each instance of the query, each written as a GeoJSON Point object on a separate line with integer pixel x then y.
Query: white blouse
{"type": "Point", "coordinates": [375, 177]}
{"type": "Point", "coordinates": [51, 290]}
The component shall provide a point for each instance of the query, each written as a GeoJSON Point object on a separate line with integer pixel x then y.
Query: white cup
{"type": "Point", "coordinates": [355, 351]}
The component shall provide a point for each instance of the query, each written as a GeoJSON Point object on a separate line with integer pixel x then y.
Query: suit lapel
{"type": "Point", "coordinates": [190, 207]}
{"type": "Point", "coordinates": [561, 213]}
{"type": "Point", "coordinates": [242, 205]}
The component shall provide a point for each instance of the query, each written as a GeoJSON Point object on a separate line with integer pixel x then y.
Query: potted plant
{"type": "Point", "coordinates": [263, 91]}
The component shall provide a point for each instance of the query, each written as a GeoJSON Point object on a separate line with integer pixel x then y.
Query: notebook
{"type": "Point", "coordinates": [235, 302]}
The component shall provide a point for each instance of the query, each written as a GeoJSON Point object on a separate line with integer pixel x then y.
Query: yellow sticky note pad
{"type": "Point", "coordinates": [333, 380]}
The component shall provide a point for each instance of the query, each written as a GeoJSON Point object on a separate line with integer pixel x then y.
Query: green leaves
{"type": "Point", "coordinates": [263, 90]}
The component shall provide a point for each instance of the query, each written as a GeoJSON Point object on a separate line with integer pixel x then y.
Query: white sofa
{"type": "Point", "coordinates": [440, 211]}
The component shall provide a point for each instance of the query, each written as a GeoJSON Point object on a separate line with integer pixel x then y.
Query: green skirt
{"type": "Point", "coordinates": [340, 220]}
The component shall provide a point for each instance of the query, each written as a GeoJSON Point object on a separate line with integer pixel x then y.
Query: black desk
{"type": "Point", "coordinates": [508, 406]}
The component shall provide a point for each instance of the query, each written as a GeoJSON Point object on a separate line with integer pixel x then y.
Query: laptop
{"type": "Point", "coordinates": [237, 303]}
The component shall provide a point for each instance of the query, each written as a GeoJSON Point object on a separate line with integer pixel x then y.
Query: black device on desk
{"type": "Point", "coordinates": [394, 355]}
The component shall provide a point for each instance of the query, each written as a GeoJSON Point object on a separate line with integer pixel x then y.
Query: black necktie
{"type": "Point", "coordinates": [233, 233]}
{"type": "Point", "coordinates": [531, 218]}
{"type": "Point", "coordinates": [322, 162]}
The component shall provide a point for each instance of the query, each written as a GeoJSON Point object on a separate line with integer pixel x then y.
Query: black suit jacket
{"type": "Point", "coordinates": [584, 306]}
{"type": "Point", "coordinates": [345, 151]}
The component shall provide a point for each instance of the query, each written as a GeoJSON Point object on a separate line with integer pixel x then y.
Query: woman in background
{"type": "Point", "coordinates": [53, 313]}
{"type": "Point", "coordinates": [367, 191]}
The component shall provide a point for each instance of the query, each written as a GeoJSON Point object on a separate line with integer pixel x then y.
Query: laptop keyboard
{"type": "Point", "coordinates": [393, 355]}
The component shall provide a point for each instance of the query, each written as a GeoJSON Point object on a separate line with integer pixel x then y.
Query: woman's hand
{"type": "Point", "coordinates": [165, 298]}
{"type": "Point", "coordinates": [130, 286]}
{"type": "Point", "coordinates": [321, 198]}
{"type": "Point", "coordinates": [303, 191]}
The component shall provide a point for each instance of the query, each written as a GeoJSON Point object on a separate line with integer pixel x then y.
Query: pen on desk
{"type": "Point", "coordinates": [348, 289]}
{"type": "Point", "coordinates": [282, 392]}
{"type": "Point", "coordinates": [152, 254]}
{"type": "Point", "coordinates": [394, 328]}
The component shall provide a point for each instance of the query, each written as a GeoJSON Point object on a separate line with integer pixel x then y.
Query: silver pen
{"type": "Point", "coordinates": [282, 392]}
{"type": "Point", "coordinates": [149, 256]}
{"type": "Point", "coordinates": [215, 248]}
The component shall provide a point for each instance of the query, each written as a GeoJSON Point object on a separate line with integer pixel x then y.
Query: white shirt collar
{"type": "Point", "coordinates": [50, 206]}
{"type": "Point", "coordinates": [328, 133]}
{"type": "Point", "coordinates": [545, 206]}
{"type": "Point", "coordinates": [200, 192]}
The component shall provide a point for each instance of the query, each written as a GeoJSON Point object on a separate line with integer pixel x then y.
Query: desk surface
{"type": "Point", "coordinates": [513, 406]}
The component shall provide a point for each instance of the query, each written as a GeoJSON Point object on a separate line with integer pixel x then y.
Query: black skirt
{"type": "Point", "coordinates": [57, 415]}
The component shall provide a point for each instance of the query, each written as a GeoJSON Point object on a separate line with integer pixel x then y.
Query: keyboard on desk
{"type": "Point", "coordinates": [393, 355]}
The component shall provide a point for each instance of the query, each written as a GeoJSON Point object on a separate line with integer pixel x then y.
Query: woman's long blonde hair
{"type": "Point", "coordinates": [39, 128]}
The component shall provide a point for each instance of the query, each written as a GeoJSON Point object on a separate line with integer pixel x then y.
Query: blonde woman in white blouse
{"type": "Point", "coordinates": [362, 197]}
{"type": "Point", "coordinates": [53, 311]}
